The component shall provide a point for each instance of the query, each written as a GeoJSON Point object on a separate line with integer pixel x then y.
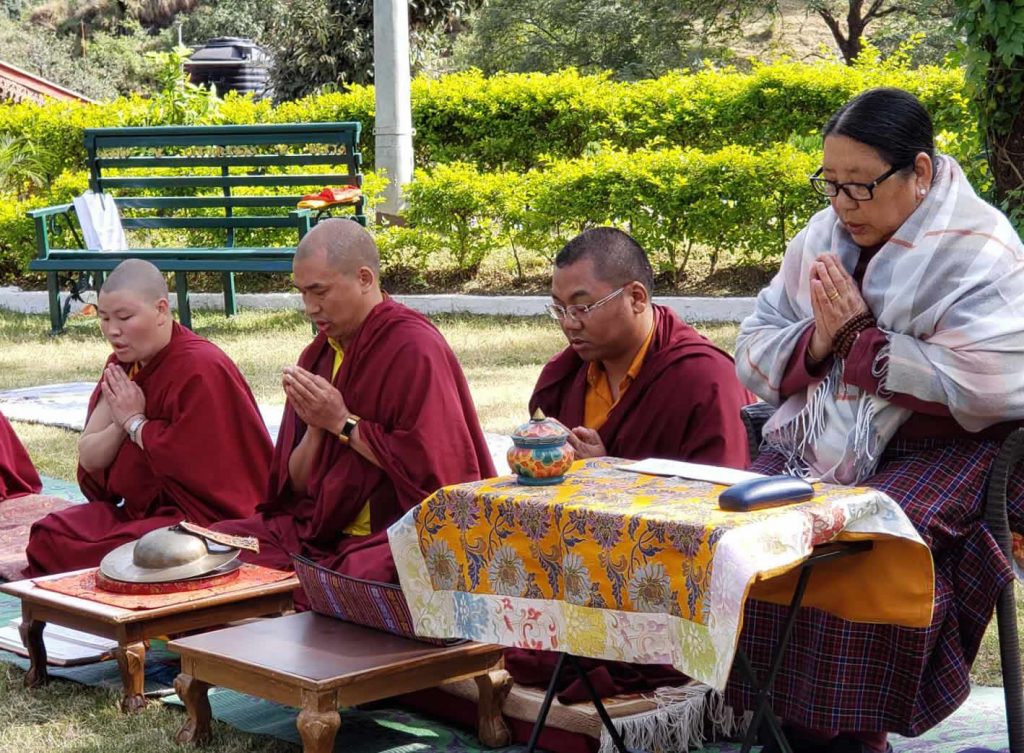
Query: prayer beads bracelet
{"type": "Point", "coordinates": [848, 333]}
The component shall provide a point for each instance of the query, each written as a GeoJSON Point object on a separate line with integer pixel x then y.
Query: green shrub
{"type": "Point", "coordinates": [674, 200]}
{"type": "Point", "coordinates": [517, 121]}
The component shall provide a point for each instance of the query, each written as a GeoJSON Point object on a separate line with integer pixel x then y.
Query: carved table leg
{"type": "Point", "coordinates": [493, 687]}
{"type": "Point", "coordinates": [132, 661]}
{"type": "Point", "coordinates": [318, 730]}
{"type": "Point", "coordinates": [32, 637]}
{"type": "Point", "coordinates": [192, 692]}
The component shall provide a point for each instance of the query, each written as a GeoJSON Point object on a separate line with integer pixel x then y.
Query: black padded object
{"type": "Point", "coordinates": [754, 417]}
{"type": "Point", "coordinates": [759, 493]}
{"type": "Point", "coordinates": [1009, 455]}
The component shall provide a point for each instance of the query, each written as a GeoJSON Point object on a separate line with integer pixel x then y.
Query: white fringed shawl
{"type": "Point", "coordinates": [948, 291]}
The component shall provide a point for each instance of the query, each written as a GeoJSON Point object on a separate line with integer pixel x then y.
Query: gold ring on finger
{"type": "Point", "coordinates": [833, 296]}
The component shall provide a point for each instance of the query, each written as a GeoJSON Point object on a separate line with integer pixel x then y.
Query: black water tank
{"type": "Point", "coordinates": [231, 64]}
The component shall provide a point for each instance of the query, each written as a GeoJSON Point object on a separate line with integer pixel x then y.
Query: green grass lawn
{"type": "Point", "coordinates": [501, 357]}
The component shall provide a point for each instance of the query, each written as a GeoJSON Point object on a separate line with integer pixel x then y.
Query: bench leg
{"type": "Point", "coordinates": [184, 309]}
{"type": "Point", "coordinates": [318, 730]}
{"type": "Point", "coordinates": [230, 305]}
{"type": "Point", "coordinates": [192, 692]}
{"type": "Point", "coordinates": [53, 293]}
{"type": "Point", "coordinates": [493, 687]}
{"type": "Point", "coordinates": [31, 632]}
{"type": "Point", "coordinates": [131, 660]}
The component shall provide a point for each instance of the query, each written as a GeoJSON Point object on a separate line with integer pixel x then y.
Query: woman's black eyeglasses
{"type": "Point", "coordinates": [856, 191]}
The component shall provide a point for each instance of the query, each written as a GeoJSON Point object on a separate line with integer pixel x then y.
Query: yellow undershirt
{"type": "Point", "coordinates": [598, 401]}
{"type": "Point", "coordinates": [361, 525]}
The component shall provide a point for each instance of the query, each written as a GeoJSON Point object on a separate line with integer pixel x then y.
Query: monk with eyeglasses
{"type": "Point", "coordinates": [635, 380]}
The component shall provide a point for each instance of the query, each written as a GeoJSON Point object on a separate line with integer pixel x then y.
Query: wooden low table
{"type": "Point", "coordinates": [131, 627]}
{"type": "Point", "coordinates": [320, 664]}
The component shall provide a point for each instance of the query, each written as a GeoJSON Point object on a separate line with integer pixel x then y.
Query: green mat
{"type": "Point", "coordinates": [377, 731]}
{"type": "Point", "coordinates": [981, 721]}
{"type": "Point", "coordinates": [58, 487]}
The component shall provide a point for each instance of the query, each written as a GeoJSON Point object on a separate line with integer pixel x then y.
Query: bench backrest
{"type": "Point", "coordinates": [197, 177]}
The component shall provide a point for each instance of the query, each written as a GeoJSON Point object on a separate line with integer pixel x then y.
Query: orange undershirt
{"type": "Point", "coordinates": [361, 525]}
{"type": "Point", "coordinates": [598, 401]}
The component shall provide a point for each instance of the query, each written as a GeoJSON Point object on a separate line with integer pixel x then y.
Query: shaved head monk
{"type": "Point", "coordinates": [18, 476]}
{"type": "Point", "coordinates": [173, 432]}
{"type": "Point", "coordinates": [378, 417]}
{"type": "Point", "coordinates": [635, 380]}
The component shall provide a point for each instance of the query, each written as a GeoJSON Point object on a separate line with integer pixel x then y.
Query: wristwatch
{"type": "Point", "coordinates": [134, 426]}
{"type": "Point", "coordinates": [345, 435]}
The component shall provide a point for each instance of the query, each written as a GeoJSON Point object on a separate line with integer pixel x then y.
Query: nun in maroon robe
{"type": "Point", "coordinates": [206, 459]}
{"type": "Point", "coordinates": [416, 414]}
{"type": "Point", "coordinates": [18, 476]}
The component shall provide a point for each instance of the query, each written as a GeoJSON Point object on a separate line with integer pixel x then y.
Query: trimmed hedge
{"type": "Point", "coordinates": [518, 121]}
{"type": "Point", "coordinates": [518, 163]}
{"type": "Point", "coordinates": [673, 201]}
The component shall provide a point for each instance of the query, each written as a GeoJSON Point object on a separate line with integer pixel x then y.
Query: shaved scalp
{"type": "Point", "coordinates": [618, 259]}
{"type": "Point", "coordinates": [346, 243]}
{"type": "Point", "coordinates": [137, 276]}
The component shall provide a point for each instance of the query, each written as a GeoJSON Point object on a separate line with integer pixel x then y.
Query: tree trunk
{"type": "Point", "coordinates": [1006, 158]}
{"type": "Point", "coordinates": [858, 17]}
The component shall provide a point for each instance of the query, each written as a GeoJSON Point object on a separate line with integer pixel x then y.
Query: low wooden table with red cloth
{"type": "Point", "coordinates": [617, 565]}
{"type": "Point", "coordinates": [263, 592]}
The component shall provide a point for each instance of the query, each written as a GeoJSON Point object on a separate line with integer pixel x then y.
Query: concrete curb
{"type": "Point", "coordinates": [690, 309]}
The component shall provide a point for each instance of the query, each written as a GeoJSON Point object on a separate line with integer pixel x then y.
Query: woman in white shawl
{"type": "Point", "coordinates": [892, 342]}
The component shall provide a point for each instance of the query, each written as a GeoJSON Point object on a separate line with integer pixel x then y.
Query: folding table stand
{"type": "Point", "coordinates": [763, 709]}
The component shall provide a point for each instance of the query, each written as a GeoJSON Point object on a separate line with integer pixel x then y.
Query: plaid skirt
{"type": "Point", "coordinates": [841, 676]}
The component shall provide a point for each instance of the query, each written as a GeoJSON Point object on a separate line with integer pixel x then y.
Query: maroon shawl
{"type": "Point", "coordinates": [401, 378]}
{"type": "Point", "coordinates": [18, 476]}
{"type": "Point", "coordinates": [207, 448]}
{"type": "Point", "coordinates": [684, 405]}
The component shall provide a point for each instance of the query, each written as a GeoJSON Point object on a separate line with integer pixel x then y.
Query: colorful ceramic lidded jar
{"type": "Point", "coordinates": [541, 453]}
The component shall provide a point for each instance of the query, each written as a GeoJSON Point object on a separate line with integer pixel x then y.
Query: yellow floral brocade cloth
{"type": "Point", "coordinates": [616, 565]}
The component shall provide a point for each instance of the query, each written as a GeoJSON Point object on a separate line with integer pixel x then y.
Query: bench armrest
{"type": "Point", "coordinates": [303, 220]}
{"type": "Point", "coordinates": [50, 211]}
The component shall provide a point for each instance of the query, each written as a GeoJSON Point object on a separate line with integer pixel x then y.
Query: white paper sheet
{"type": "Point", "coordinates": [64, 647]}
{"type": "Point", "coordinates": [714, 474]}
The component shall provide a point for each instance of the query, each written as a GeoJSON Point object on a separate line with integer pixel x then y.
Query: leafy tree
{"type": "Point", "coordinates": [891, 21]}
{"type": "Point", "coordinates": [329, 43]}
{"type": "Point", "coordinates": [632, 38]}
{"type": "Point", "coordinates": [251, 19]}
{"type": "Point", "coordinates": [929, 23]}
{"type": "Point", "coordinates": [994, 54]}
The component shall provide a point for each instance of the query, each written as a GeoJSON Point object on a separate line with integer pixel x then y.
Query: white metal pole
{"type": "Point", "coordinates": [393, 130]}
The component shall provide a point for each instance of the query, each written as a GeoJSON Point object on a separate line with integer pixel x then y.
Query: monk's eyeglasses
{"type": "Point", "coordinates": [577, 311]}
{"type": "Point", "coordinates": [856, 191]}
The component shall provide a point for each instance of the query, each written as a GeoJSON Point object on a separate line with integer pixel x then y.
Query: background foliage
{"type": "Point", "coordinates": [695, 165]}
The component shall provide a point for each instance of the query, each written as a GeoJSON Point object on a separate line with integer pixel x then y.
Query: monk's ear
{"type": "Point", "coordinates": [640, 299]}
{"type": "Point", "coordinates": [163, 307]}
{"type": "Point", "coordinates": [366, 277]}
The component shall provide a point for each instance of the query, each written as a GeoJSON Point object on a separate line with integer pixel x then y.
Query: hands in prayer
{"type": "Point", "coordinates": [125, 398]}
{"type": "Point", "coordinates": [317, 402]}
{"type": "Point", "coordinates": [587, 443]}
{"type": "Point", "coordinates": [835, 299]}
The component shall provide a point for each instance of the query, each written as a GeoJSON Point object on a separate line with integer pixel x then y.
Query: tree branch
{"type": "Point", "coordinates": [833, 25]}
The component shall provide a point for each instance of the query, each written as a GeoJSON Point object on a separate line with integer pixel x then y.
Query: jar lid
{"type": "Point", "coordinates": [541, 430]}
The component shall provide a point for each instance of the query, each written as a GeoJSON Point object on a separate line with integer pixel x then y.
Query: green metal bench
{"type": "Point", "coordinates": [236, 180]}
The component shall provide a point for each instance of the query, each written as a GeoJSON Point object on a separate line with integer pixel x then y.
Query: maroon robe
{"type": "Point", "coordinates": [206, 458]}
{"type": "Point", "coordinates": [684, 404]}
{"type": "Point", "coordinates": [401, 378]}
{"type": "Point", "coordinates": [18, 476]}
